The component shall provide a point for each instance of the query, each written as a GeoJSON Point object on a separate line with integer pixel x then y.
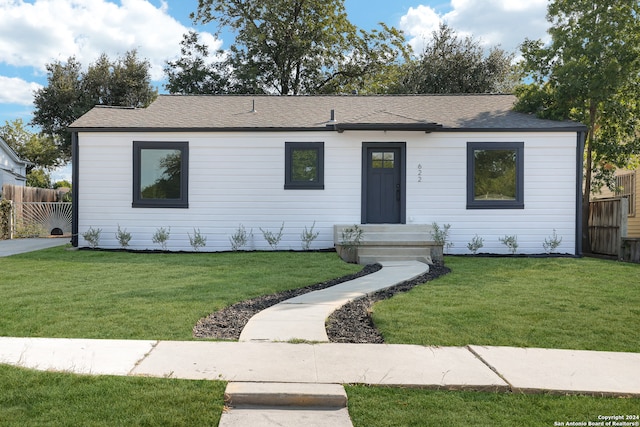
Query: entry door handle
{"type": "Point", "coordinates": [398, 192]}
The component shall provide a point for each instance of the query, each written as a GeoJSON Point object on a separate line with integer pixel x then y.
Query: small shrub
{"type": "Point", "coordinates": [161, 236]}
{"type": "Point", "coordinates": [273, 239]}
{"type": "Point", "coordinates": [5, 219]}
{"type": "Point", "coordinates": [197, 241]}
{"type": "Point", "coordinates": [240, 238]}
{"type": "Point", "coordinates": [123, 237]}
{"type": "Point", "coordinates": [552, 243]}
{"type": "Point", "coordinates": [511, 242]}
{"type": "Point", "coordinates": [29, 230]}
{"type": "Point", "coordinates": [475, 244]}
{"type": "Point", "coordinates": [350, 239]}
{"type": "Point", "coordinates": [308, 236]}
{"type": "Point", "coordinates": [92, 236]}
{"type": "Point", "coordinates": [441, 235]}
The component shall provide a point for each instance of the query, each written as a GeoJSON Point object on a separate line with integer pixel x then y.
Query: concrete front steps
{"type": "Point", "coordinates": [389, 242]}
{"type": "Point", "coordinates": [285, 404]}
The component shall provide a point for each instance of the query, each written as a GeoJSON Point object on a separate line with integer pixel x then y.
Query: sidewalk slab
{"type": "Point", "coordinates": [404, 365]}
{"type": "Point", "coordinates": [267, 417]}
{"type": "Point", "coordinates": [565, 371]}
{"type": "Point", "coordinates": [433, 367]}
{"type": "Point", "coordinates": [230, 361]}
{"type": "Point", "coordinates": [304, 316]}
{"type": "Point", "coordinates": [79, 356]}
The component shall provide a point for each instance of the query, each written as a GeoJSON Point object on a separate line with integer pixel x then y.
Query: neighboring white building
{"type": "Point", "coordinates": [13, 170]}
{"type": "Point", "coordinates": [215, 163]}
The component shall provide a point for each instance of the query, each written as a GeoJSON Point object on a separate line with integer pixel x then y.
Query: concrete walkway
{"type": "Point", "coordinates": [303, 317]}
{"type": "Point", "coordinates": [20, 246]}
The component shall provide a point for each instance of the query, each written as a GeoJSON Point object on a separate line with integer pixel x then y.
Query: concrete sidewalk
{"type": "Point", "coordinates": [527, 370]}
{"type": "Point", "coordinates": [20, 246]}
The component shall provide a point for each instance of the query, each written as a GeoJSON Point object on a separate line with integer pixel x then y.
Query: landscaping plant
{"type": "Point", "coordinates": [308, 236]}
{"type": "Point", "coordinates": [441, 235]}
{"type": "Point", "coordinates": [552, 243]}
{"type": "Point", "coordinates": [475, 244]}
{"type": "Point", "coordinates": [161, 236]}
{"type": "Point", "coordinates": [197, 241]}
{"type": "Point", "coordinates": [511, 242]}
{"type": "Point", "coordinates": [240, 238]}
{"type": "Point", "coordinates": [273, 239]}
{"type": "Point", "coordinates": [123, 237]}
{"type": "Point", "coordinates": [92, 236]}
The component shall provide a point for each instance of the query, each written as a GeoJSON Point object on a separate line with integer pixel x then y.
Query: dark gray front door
{"type": "Point", "coordinates": [383, 192]}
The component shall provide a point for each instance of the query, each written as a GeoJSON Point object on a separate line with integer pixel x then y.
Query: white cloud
{"type": "Point", "coordinates": [494, 22]}
{"type": "Point", "coordinates": [36, 33]}
{"type": "Point", "coordinates": [14, 90]}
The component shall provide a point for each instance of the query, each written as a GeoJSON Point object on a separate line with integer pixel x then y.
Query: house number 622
{"type": "Point", "coordinates": [419, 173]}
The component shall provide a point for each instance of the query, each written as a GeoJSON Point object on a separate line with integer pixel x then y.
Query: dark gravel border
{"type": "Point", "coordinates": [349, 324]}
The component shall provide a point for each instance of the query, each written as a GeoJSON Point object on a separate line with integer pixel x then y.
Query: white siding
{"type": "Point", "coordinates": [238, 179]}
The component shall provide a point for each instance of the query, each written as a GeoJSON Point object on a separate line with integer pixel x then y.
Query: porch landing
{"type": "Point", "coordinates": [390, 242]}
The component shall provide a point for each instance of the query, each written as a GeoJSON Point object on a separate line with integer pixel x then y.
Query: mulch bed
{"type": "Point", "coordinates": [349, 324]}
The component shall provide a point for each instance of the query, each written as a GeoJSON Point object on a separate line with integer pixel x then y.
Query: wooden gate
{"type": "Point", "coordinates": [608, 225]}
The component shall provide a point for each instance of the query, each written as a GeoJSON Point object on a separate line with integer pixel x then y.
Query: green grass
{"type": "Point", "coordinates": [388, 407]}
{"type": "Point", "coordinates": [95, 294]}
{"type": "Point", "coordinates": [586, 304]}
{"type": "Point", "coordinates": [562, 303]}
{"type": "Point", "coordinates": [30, 398]}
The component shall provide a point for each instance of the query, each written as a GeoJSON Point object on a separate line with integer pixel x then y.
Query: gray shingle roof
{"type": "Point", "coordinates": [227, 112]}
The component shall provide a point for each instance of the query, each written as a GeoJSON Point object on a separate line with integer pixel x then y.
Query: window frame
{"type": "Point", "coordinates": [518, 203]}
{"type": "Point", "coordinates": [180, 203]}
{"type": "Point", "coordinates": [289, 183]}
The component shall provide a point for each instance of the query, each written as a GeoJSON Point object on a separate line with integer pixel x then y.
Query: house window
{"type": "Point", "coordinates": [160, 174]}
{"type": "Point", "coordinates": [495, 175]}
{"type": "Point", "coordinates": [304, 165]}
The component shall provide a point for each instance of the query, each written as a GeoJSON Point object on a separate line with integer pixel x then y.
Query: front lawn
{"type": "Point", "coordinates": [30, 398]}
{"type": "Point", "coordinates": [582, 304]}
{"type": "Point", "coordinates": [563, 303]}
{"type": "Point", "coordinates": [401, 407]}
{"type": "Point", "coordinates": [96, 294]}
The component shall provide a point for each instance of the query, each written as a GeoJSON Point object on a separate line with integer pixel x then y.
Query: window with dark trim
{"type": "Point", "coordinates": [304, 166]}
{"type": "Point", "coordinates": [495, 175]}
{"type": "Point", "coordinates": [160, 174]}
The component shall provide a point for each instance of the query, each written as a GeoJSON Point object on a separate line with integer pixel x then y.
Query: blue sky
{"type": "Point", "coordinates": [34, 33]}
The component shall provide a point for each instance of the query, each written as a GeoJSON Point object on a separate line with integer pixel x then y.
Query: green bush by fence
{"type": "Point", "coordinates": [5, 219]}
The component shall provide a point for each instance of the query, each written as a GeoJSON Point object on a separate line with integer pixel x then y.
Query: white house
{"type": "Point", "coordinates": [13, 170]}
{"type": "Point", "coordinates": [216, 163]}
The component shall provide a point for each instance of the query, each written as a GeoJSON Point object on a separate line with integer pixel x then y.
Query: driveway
{"type": "Point", "coordinates": [20, 246]}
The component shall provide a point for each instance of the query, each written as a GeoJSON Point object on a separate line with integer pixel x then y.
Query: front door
{"type": "Point", "coordinates": [383, 183]}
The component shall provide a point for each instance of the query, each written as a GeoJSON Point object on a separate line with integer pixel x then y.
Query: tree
{"type": "Point", "coordinates": [70, 93]}
{"type": "Point", "coordinates": [39, 178]}
{"type": "Point", "coordinates": [193, 73]}
{"type": "Point", "coordinates": [292, 47]}
{"type": "Point", "coordinates": [40, 150]}
{"type": "Point", "coordinates": [590, 72]}
{"type": "Point", "coordinates": [450, 64]}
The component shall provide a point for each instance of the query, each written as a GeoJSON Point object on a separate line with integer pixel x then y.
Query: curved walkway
{"type": "Point", "coordinates": [303, 318]}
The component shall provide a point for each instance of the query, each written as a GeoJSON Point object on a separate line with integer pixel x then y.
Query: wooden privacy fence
{"type": "Point", "coordinates": [31, 194]}
{"type": "Point", "coordinates": [608, 225]}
